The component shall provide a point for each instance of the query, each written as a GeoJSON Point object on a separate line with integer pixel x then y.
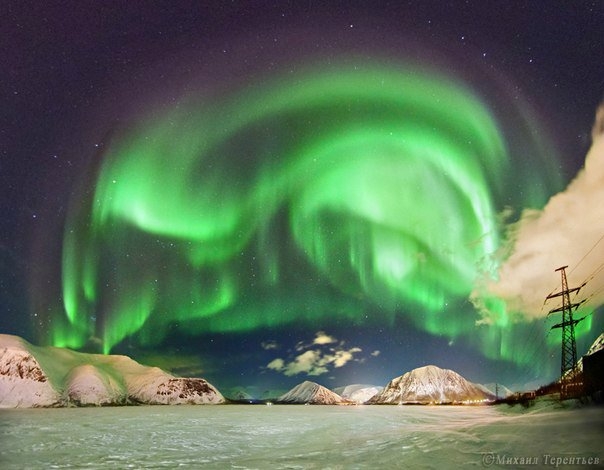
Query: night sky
{"type": "Point", "coordinates": [261, 193]}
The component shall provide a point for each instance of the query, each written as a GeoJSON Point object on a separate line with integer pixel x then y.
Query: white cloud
{"type": "Point", "coordinates": [568, 231]}
{"type": "Point", "coordinates": [268, 345]}
{"type": "Point", "coordinates": [323, 338]}
{"type": "Point", "coordinates": [376, 353]}
{"type": "Point", "coordinates": [340, 358]}
{"type": "Point", "coordinates": [315, 361]}
{"type": "Point", "coordinates": [276, 364]}
{"type": "Point", "coordinates": [309, 362]}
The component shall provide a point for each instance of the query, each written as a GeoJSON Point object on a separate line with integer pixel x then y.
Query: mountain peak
{"type": "Point", "coordinates": [311, 393]}
{"type": "Point", "coordinates": [358, 393]}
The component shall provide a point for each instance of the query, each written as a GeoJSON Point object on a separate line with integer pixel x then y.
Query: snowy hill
{"type": "Point", "coordinates": [358, 393]}
{"type": "Point", "coordinates": [87, 385]}
{"type": "Point", "coordinates": [313, 394]}
{"type": "Point", "coordinates": [430, 384]}
{"type": "Point", "coordinates": [33, 376]}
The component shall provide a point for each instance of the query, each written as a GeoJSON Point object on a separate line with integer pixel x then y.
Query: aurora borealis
{"type": "Point", "coordinates": [360, 197]}
{"type": "Point", "coordinates": [366, 174]}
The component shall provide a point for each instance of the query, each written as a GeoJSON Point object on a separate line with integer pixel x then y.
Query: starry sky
{"type": "Point", "coordinates": [261, 193]}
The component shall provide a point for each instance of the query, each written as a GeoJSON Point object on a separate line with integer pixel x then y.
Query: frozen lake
{"type": "Point", "coordinates": [259, 436]}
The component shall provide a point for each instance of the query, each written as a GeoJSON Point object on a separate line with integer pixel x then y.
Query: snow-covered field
{"type": "Point", "coordinates": [298, 436]}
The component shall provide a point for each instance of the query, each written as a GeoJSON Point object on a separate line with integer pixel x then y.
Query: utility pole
{"type": "Point", "coordinates": [497, 391]}
{"type": "Point", "coordinates": [570, 382]}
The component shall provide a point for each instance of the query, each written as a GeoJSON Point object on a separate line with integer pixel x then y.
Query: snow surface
{"type": "Point", "coordinates": [33, 376]}
{"type": "Point", "coordinates": [296, 437]}
{"type": "Point", "coordinates": [430, 385]}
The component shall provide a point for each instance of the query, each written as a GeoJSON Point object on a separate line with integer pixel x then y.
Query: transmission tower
{"type": "Point", "coordinates": [570, 382]}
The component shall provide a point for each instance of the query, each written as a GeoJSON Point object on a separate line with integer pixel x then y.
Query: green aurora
{"type": "Point", "coordinates": [346, 194]}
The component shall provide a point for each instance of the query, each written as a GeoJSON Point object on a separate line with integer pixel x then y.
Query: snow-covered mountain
{"type": "Point", "coordinates": [313, 394]}
{"type": "Point", "coordinates": [502, 390]}
{"type": "Point", "coordinates": [358, 393]}
{"type": "Point", "coordinates": [32, 376]}
{"type": "Point", "coordinates": [596, 346]}
{"type": "Point", "coordinates": [430, 384]}
{"type": "Point", "coordinates": [23, 383]}
{"type": "Point", "coordinates": [252, 393]}
{"type": "Point", "coordinates": [238, 394]}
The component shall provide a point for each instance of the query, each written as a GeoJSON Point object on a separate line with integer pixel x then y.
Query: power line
{"type": "Point", "coordinates": [594, 293]}
{"type": "Point", "coordinates": [594, 273]}
{"type": "Point", "coordinates": [538, 344]}
{"type": "Point", "coordinates": [533, 335]}
{"type": "Point", "coordinates": [587, 254]}
{"type": "Point", "coordinates": [580, 261]}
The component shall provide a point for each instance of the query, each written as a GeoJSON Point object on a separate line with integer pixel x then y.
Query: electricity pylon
{"type": "Point", "coordinates": [570, 382]}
